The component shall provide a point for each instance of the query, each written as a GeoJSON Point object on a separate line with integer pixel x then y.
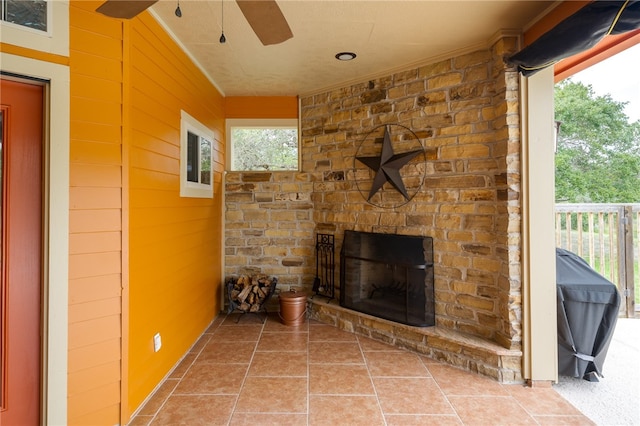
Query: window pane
{"type": "Point", "coordinates": [205, 161]}
{"type": "Point", "coordinates": [264, 148]}
{"type": "Point", "coordinates": [28, 13]}
{"type": "Point", "coordinates": [192, 157]}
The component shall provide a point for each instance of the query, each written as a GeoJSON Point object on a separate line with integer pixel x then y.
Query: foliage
{"type": "Point", "coordinates": [598, 152]}
{"type": "Point", "coordinates": [264, 149]}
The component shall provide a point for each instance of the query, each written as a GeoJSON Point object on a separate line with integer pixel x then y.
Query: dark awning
{"type": "Point", "coordinates": [577, 33]}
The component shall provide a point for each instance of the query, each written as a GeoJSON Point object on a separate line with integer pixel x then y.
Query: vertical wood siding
{"type": "Point", "coordinates": [95, 222]}
{"type": "Point", "coordinates": [129, 228]}
{"type": "Point", "coordinates": [175, 243]}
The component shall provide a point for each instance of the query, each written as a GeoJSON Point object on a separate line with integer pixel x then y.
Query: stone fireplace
{"type": "Point", "coordinates": [465, 111]}
{"type": "Point", "coordinates": [388, 276]}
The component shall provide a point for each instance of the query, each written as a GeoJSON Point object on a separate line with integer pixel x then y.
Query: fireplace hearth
{"type": "Point", "coordinates": [389, 276]}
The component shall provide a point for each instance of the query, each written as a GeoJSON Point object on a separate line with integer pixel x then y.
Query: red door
{"type": "Point", "coordinates": [21, 252]}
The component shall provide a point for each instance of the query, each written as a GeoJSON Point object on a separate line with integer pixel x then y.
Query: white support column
{"type": "Point", "coordinates": [538, 244]}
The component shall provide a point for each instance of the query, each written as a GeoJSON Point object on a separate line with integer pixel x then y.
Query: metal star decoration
{"type": "Point", "coordinates": [387, 166]}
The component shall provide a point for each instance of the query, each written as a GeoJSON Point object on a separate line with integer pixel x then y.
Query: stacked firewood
{"type": "Point", "coordinates": [249, 293]}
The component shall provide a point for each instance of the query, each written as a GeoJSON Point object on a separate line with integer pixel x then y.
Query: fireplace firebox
{"type": "Point", "coordinates": [389, 276]}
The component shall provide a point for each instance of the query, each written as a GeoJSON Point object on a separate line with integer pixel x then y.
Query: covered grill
{"type": "Point", "coordinates": [588, 307]}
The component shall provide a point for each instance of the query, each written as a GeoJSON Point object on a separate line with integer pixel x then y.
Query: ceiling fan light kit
{"type": "Point", "coordinates": [264, 16]}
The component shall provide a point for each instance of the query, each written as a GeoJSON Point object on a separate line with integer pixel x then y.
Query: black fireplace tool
{"type": "Point", "coordinates": [324, 282]}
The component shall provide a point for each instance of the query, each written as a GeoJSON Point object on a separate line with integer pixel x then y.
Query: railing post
{"type": "Point", "coordinates": [628, 289]}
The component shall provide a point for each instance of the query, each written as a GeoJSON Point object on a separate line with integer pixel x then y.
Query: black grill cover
{"type": "Point", "coordinates": [588, 307]}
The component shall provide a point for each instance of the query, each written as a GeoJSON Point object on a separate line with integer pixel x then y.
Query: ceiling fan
{"type": "Point", "coordinates": [264, 16]}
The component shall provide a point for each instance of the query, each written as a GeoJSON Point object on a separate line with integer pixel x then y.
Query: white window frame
{"type": "Point", "coordinates": [188, 124]}
{"type": "Point", "coordinates": [55, 40]}
{"type": "Point", "coordinates": [261, 123]}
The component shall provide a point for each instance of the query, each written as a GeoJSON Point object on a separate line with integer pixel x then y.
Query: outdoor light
{"type": "Point", "coordinates": [345, 56]}
{"type": "Point", "coordinates": [178, 11]}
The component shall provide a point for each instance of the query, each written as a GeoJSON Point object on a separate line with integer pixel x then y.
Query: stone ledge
{"type": "Point", "coordinates": [467, 352]}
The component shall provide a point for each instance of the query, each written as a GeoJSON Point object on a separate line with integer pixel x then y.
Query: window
{"type": "Point", "coordinates": [27, 13]}
{"type": "Point", "coordinates": [263, 145]}
{"type": "Point", "coordinates": [36, 24]}
{"type": "Point", "coordinates": [196, 143]}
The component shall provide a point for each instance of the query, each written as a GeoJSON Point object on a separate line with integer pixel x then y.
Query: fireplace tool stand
{"type": "Point", "coordinates": [324, 282]}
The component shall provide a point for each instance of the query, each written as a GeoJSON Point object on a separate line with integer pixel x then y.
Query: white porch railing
{"type": "Point", "coordinates": [607, 236]}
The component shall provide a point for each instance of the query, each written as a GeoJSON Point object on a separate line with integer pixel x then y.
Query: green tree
{"type": "Point", "coordinates": [265, 149]}
{"type": "Point", "coordinates": [598, 151]}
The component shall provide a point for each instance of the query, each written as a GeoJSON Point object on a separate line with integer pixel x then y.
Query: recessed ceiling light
{"type": "Point", "coordinates": [345, 56]}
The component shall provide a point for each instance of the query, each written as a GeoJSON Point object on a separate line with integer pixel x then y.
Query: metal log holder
{"type": "Point", "coordinates": [235, 306]}
{"type": "Point", "coordinates": [324, 282]}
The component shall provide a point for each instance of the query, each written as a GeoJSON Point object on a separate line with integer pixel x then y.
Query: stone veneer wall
{"type": "Point", "coordinates": [465, 110]}
{"type": "Point", "coordinates": [269, 226]}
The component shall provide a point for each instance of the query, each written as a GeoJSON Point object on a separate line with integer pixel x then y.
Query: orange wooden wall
{"type": "Point", "coordinates": [175, 243]}
{"type": "Point", "coordinates": [143, 260]}
{"type": "Point", "coordinates": [261, 107]}
{"type": "Point", "coordinates": [95, 217]}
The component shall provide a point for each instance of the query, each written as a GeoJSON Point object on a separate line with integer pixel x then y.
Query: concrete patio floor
{"type": "Point", "coordinates": [615, 399]}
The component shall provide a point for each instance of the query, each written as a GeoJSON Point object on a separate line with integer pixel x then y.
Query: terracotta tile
{"type": "Point", "coordinates": [274, 324]}
{"type": "Point", "coordinates": [159, 397]}
{"type": "Point", "coordinates": [240, 333]}
{"type": "Point", "coordinates": [543, 401]}
{"type": "Point", "coordinates": [279, 342]}
{"type": "Point", "coordinates": [216, 323]}
{"type": "Point", "coordinates": [395, 364]}
{"type": "Point", "coordinates": [243, 319]}
{"type": "Point", "coordinates": [279, 364]}
{"type": "Point", "coordinates": [490, 410]}
{"type": "Point", "coordinates": [200, 343]}
{"type": "Point", "coordinates": [196, 410]}
{"type": "Point", "coordinates": [340, 410]}
{"type": "Point", "coordinates": [411, 396]}
{"type": "Point", "coordinates": [184, 365]}
{"type": "Point", "coordinates": [328, 379]}
{"type": "Point", "coordinates": [335, 353]}
{"type": "Point", "coordinates": [140, 421]}
{"type": "Point", "coordinates": [454, 381]}
{"type": "Point", "coordinates": [232, 352]}
{"type": "Point", "coordinates": [329, 333]}
{"type": "Point", "coordinates": [273, 395]}
{"type": "Point", "coordinates": [211, 378]}
{"type": "Point", "coordinates": [422, 419]}
{"type": "Point", "coordinates": [370, 345]}
{"type": "Point", "coordinates": [575, 420]}
{"type": "Point", "coordinates": [268, 419]}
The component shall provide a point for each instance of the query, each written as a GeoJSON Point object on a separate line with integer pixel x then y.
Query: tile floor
{"type": "Point", "coordinates": [315, 374]}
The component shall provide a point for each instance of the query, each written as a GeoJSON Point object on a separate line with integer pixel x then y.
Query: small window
{"type": "Point", "coordinates": [263, 145]}
{"type": "Point", "coordinates": [27, 13]}
{"type": "Point", "coordinates": [196, 143]}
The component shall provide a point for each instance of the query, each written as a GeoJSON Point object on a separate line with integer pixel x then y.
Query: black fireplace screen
{"type": "Point", "coordinates": [388, 276]}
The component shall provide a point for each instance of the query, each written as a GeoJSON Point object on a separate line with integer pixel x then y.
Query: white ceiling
{"type": "Point", "coordinates": [386, 35]}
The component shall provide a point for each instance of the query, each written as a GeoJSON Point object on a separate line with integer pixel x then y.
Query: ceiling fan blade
{"type": "Point", "coordinates": [266, 20]}
{"type": "Point", "coordinates": [124, 9]}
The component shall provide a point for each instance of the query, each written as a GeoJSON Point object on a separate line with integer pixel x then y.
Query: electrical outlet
{"type": "Point", "coordinates": [157, 342]}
